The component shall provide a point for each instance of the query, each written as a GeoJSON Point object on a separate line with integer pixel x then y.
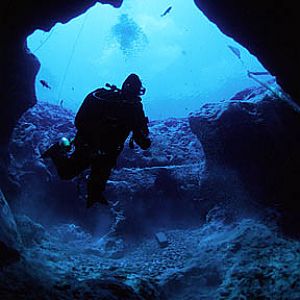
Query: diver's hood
{"type": "Point", "coordinates": [132, 86]}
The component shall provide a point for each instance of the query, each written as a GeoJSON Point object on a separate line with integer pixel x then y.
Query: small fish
{"type": "Point", "coordinates": [259, 73]}
{"type": "Point", "coordinates": [45, 84]}
{"type": "Point", "coordinates": [235, 50]}
{"type": "Point", "coordinates": [167, 11]}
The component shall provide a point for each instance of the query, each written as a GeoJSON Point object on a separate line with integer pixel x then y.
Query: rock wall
{"type": "Point", "coordinates": [9, 235]}
{"type": "Point", "coordinates": [252, 152]}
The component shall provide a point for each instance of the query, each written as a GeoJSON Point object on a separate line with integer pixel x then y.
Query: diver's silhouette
{"type": "Point", "coordinates": [104, 122]}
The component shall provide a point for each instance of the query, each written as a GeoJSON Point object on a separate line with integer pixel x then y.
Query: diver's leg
{"type": "Point", "coordinates": [70, 166]}
{"type": "Point", "coordinates": [101, 167]}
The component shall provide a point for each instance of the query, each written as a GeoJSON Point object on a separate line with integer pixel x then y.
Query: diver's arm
{"type": "Point", "coordinates": [140, 128]}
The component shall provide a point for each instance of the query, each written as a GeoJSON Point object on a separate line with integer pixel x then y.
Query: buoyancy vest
{"type": "Point", "coordinates": [105, 118]}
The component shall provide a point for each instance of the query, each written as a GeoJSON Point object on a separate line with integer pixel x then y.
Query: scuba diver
{"type": "Point", "coordinates": [103, 122]}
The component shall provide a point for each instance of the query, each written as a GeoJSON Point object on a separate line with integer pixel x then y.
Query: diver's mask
{"type": "Point", "coordinates": [142, 91]}
{"type": "Point", "coordinates": [133, 86]}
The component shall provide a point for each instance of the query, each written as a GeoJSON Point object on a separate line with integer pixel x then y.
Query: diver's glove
{"type": "Point", "coordinates": [141, 139]}
{"type": "Point", "coordinates": [145, 144]}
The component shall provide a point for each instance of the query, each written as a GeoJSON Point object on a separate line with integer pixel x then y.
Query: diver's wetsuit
{"type": "Point", "coordinates": [104, 121]}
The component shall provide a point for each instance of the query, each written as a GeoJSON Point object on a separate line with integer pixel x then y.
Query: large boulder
{"type": "Point", "coordinates": [252, 152]}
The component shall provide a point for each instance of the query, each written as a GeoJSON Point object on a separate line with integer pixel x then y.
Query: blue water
{"type": "Point", "coordinates": [183, 59]}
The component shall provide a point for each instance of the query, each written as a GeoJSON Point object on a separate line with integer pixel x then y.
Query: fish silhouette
{"type": "Point", "coordinates": [235, 50]}
{"type": "Point", "coordinates": [166, 11]}
{"type": "Point", "coordinates": [45, 84]}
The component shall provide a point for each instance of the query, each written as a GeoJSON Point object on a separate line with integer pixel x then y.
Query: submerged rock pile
{"type": "Point", "coordinates": [245, 259]}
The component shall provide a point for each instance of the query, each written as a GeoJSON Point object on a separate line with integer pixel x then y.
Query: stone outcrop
{"type": "Point", "coordinates": [9, 235]}
{"type": "Point", "coordinates": [8, 228]}
{"type": "Point", "coordinates": [214, 261]}
{"type": "Point", "coordinates": [252, 151]}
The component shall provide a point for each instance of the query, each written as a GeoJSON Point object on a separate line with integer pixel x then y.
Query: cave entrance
{"type": "Point", "coordinates": [183, 59]}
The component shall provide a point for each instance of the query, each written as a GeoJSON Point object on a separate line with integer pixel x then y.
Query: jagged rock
{"type": "Point", "coordinates": [157, 197]}
{"type": "Point", "coordinates": [172, 144]}
{"type": "Point", "coordinates": [252, 152]}
{"type": "Point", "coordinates": [8, 229]}
{"type": "Point", "coordinates": [31, 232]}
{"type": "Point", "coordinates": [9, 235]}
{"type": "Point", "coordinates": [114, 248]}
{"type": "Point", "coordinates": [162, 239]}
{"type": "Point", "coordinates": [109, 288]}
{"type": "Point", "coordinates": [69, 232]}
{"type": "Point", "coordinates": [37, 288]}
{"type": "Point", "coordinates": [225, 261]}
{"type": "Point", "coordinates": [212, 261]}
{"type": "Point", "coordinates": [8, 255]}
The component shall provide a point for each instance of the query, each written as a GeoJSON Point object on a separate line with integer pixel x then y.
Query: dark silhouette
{"type": "Point", "coordinates": [166, 11]}
{"type": "Point", "coordinates": [104, 122]}
{"type": "Point", "coordinates": [45, 84]}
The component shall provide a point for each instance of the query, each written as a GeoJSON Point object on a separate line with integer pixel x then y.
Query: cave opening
{"type": "Point", "coordinates": [201, 214]}
{"type": "Point", "coordinates": [183, 59]}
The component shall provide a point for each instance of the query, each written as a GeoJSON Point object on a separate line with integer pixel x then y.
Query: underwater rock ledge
{"type": "Point", "coordinates": [252, 147]}
{"type": "Point", "coordinates": [10, 241]}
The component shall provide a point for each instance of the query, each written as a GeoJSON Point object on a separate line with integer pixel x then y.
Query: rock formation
{"type": "Point", "coordinates": [252, 151]}
{"type": "Point", "coordinates": [9, 236]}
